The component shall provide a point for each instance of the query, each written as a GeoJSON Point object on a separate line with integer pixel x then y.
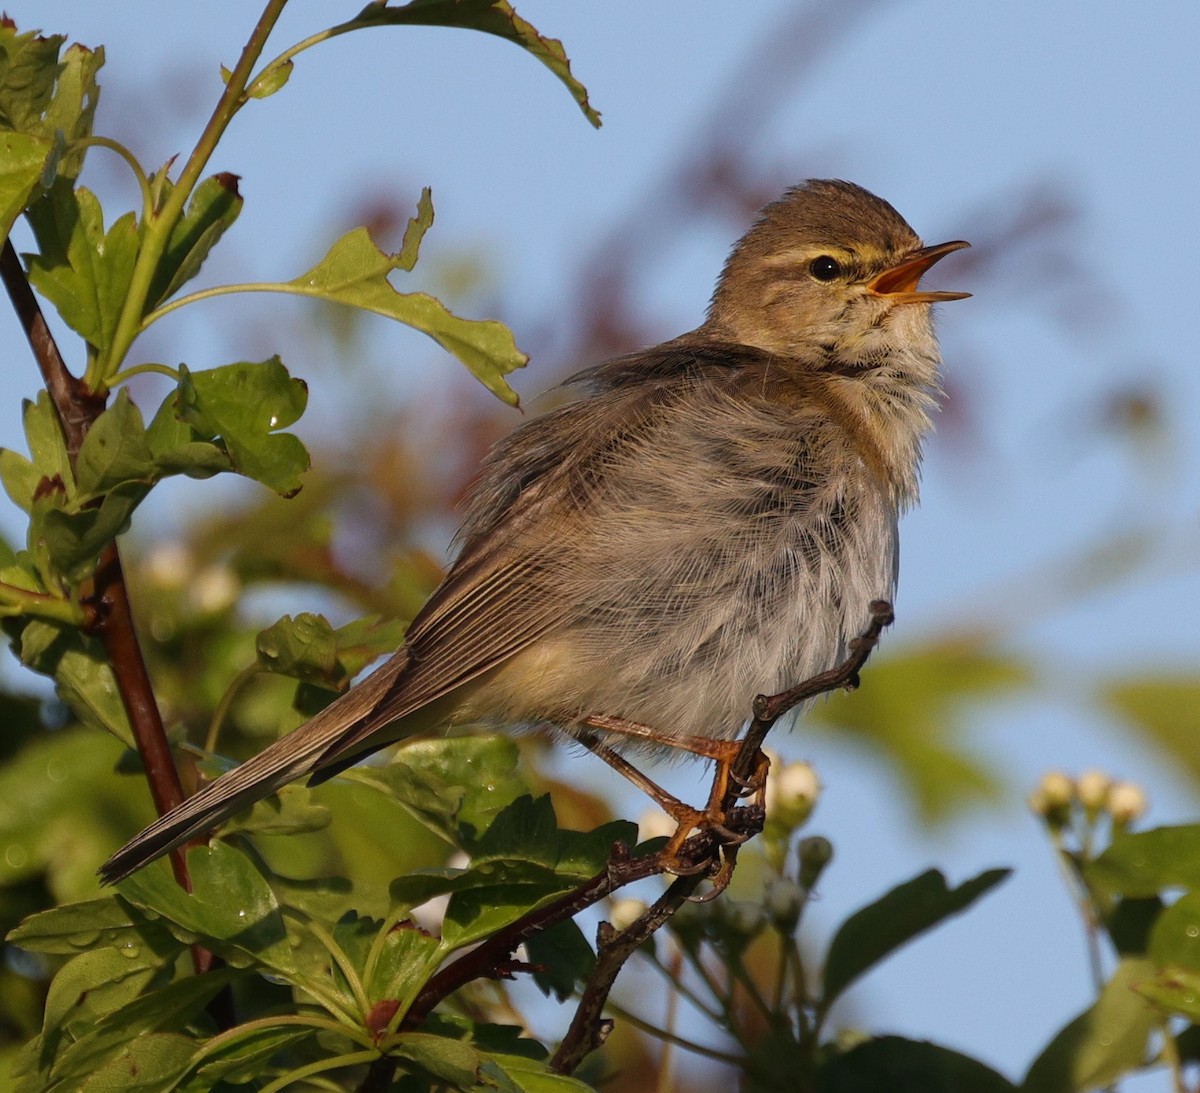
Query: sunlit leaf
{"type": "Point", "coordinates": [115, 450]}
{"type": "Point", "coordinates": [355, 272]}
{"type": "Point", "coordinates": [23, 158]}
{"type": "Point", "coordinates": [245, 405]}
{"type": "Point", "coordinates": [83, 270]}
{"type": "Point", "coordinates": [213, 207]}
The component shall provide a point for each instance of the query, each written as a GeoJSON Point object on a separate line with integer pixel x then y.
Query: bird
{"type": "Point", "coordinates": [705, 521]}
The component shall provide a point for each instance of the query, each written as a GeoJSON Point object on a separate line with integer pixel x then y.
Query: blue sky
{"type": "Point", "coordinates": [948, 110]}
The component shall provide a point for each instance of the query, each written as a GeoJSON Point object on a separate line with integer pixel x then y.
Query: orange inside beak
{"type": "Point", "coordinates": [899, 283]}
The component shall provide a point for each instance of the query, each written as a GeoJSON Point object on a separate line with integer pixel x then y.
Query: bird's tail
{"type": "Point", "coordinates": [301, 752]}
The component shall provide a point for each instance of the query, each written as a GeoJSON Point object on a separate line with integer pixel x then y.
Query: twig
{"type": "Point", "coordinates": [77, 408]}
{"type": "Point", "coordinates": [588, 1028]}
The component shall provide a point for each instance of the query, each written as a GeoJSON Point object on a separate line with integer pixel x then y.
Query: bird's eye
{"type": "Point", "coordinates": [825, 268]}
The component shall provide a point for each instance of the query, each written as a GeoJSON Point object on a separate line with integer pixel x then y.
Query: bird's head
{"type": "Point", "coordinates": [828, 268]}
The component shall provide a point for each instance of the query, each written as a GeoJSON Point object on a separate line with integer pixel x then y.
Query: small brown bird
{"type": "Point", "coordinates": [707, 522]}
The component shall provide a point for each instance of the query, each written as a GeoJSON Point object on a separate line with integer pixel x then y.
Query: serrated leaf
{"type": "Point", "coordinates": [81, 673]}
{"type": "Point", "coordinates": [114, 451]}
{"type": "Point", "coordinates": [148, 1064]}
{"type": "Point", "coordinates": [73, 108]}
{"type": "Point", "coordinates": [361, 641]}
{"type": "Point", "coordinates": [19, 477]}
{"type": "Point", "coordinates": [231, 908]}
{"type": "Point", "coordinates": [245, 404]}
{"type": "Point", "coordinates": [355, 272]}
{"type": "Point", "coordinates": [97, 982]}
{"type": "Point", "coordinates": [303, 647]}
{"type": "Point", "coordinates": [406, 960]}
{"type": "Point", "coordinates": [94, 923]}
{"type": "Point", "coordinates": [455, 787]}
{"type": "Point", "coordinates": [117, 1034]}
{"type": "Point", "coordinates": [214, 206]}
{"type": "Point", "coordinates": [47, 448]}
{"type": "Point", "coordinates": [83, 270]}
{"type": "Point", "coordinates": [492, 17]}
{"type": "Point", "coordinates": [415, 232]}
{"type": "Point", "coordinates": [177, 448]}
{"type": "Point", "coordinates": [28, 70]}
{"type": "Point", "coordinates": [1142, 864]}
{"type": "Point", "coordinates": [290, 811]}
{"type": "Point", "coordinates": [879, 929]}
{"type": "Point", "coordinates": [1105, 1041]}
{"type": "Point", "coordinates": [23, 159]}
{"type": "Point", "coordinates": [562, 959]}
{"type": "Point", "coordinates": [74, 540]}
{"type": "Point", "coordinates": [907, 1066]}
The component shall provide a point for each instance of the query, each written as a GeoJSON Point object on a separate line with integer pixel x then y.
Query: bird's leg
{"type": "Point", "coordinates": [713, 817]}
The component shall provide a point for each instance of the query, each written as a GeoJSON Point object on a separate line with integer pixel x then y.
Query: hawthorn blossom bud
{"type": "Point", "coordinates": [1126, 802]}
{"type": "Point", "coordinates": [625, 912]}
{"type": "Point", "coordinates": [791, 794]}
{"type": "Point", "coordinates": [1092, 788]}
{"type": "Point", "coordinates": [1051, 798]}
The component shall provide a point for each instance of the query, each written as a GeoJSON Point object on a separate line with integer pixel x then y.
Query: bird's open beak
{"type": "Point", "coordinates": [899, 284]}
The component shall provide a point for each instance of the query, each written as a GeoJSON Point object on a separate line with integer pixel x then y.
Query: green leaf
{"type": "Point", "coordinates": [415, 232]}
{"type": "Point", "coordinates": [562, 959]}
{"type": "Point", "coordinates": [1172, 990]}
{"type": "Point", "coordinates": [361, 641]}
{"type": "Point", "coordinates": [23, 159]}
{"type": "Point", "coordinates": [98, 982]}
{"type": "Point", "coordinates": [231, 909]}
{"type": "Point", "coordinates": [904, 913]}
{"type": "Point", "coordinates": [105, 922]}
{"type": "Point", "coordinates": [1144, 863]}
{"type": "Point", "coordinates": [1175, 938]}
{"type": "Point", "coordinates": [303, 648]}
{"type": "Point", "coordinates": [73, 108]}
{"type": "Point", "coordinates": [245, 404]}
{"type": "Point", "coordinates": [177, 448]}
{"type": "Point", "coordinates": [84, 271]}
{"type": "Point", "coordinates": [107, 1051]}
{"type": "Point", "coordinates": [455, 787]}
{"type": "Point", "coordinates": [355, 272]}
{"type": "Point", "coordinates": [240, 1055]}
{"type": "Point", "coordinates": [47, 448]}
{"type": "Point", "coordinates": [1164, 709]}
{"type": "Point", "coordinates": [20, 478]}
{"type": "Point", "coordinates": [1102, 1043]}
{"type": "Point", "coordinates": [212, 209]}
{"type": "Point", "coordinates": [115, 450]}
{"type": "Point", "coordinates": [531, 1075]}
{"type": "Point", "coordinates": [406, 959]}
{"type": "Point", "coordinates": [28, 70]}
{"type": "Point", "coordinates": [897, 1065]}
{"type": "Point", "coordinates": [74, 540]}
{"type": "Point", "coordinates": [492, 17]}
{"type": "Point", "coordinates": [289, 811]}
{"type": "Point", "coordinates": [268, 83]}
{"type": "Point", "coordinates": [913, 705]}
{"type": "Point", "coordinates": [447, 1060]}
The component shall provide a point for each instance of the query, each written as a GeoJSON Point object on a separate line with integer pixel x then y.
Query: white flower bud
{"type": "Point", "coordinates": [792, 793]}
{"type": "Point", "coordinates": [1092, 788]}
{"type": "Point", "coordinates": [1126, 802]}
{"type": "Point", "coordinates": [625, 912]}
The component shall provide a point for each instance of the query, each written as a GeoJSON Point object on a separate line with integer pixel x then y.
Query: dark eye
{"type": "Point", "coordinates": [825, 268]}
